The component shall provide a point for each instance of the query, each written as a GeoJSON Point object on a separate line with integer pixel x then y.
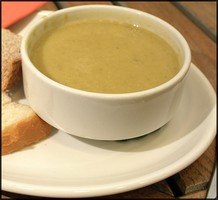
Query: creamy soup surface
{"type": "Point", "coordinates": [105, 57]}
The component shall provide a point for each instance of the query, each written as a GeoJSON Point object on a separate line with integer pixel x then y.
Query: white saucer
{"type": "Point", "coordinates": [67, 166]}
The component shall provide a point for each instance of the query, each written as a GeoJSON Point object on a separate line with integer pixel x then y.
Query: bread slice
{"type": "Point", "coordinates": [20, 126]}
{"type": "Point", "coordinates": [5, 99]}
{"type": "Point", "coordinates": [11, 59]}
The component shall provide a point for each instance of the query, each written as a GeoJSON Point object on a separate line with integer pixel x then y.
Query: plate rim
{"type": "Point", "coordinates": [125, 185]}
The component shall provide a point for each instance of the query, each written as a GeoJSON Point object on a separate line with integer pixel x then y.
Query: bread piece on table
{"type": "Point", "coordinates": [21, 127]}
{"type": "Point", "coordinates": [11, 59]}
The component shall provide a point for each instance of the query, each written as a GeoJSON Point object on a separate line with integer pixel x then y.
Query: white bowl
{"type": "Point", "coordinates": [96, 115]}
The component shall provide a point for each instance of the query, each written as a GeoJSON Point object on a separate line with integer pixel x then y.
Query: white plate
{"type": "Point", "coordinates": [67, 166]}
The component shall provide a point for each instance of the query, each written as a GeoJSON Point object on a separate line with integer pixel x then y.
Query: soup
{"type": "Point", "coordinates": [105, 56]}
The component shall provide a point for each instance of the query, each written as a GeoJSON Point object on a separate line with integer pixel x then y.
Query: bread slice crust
{"type": "Point", "coordinates": [24, 133]}
{"type": "Point", "coordinates": [11, 59]}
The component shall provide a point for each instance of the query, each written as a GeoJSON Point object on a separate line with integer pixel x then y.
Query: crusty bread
{"type": "Point", "coordinates": [11, 59]}
{"type": "Point", "coordinates": [20, 126]}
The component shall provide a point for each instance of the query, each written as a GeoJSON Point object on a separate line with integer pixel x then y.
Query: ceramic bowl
{"type": "Point", "coordinates": [96, 115]}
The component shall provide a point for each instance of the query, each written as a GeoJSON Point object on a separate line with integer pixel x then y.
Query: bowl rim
{"type": "Point", "coordinates": [149, 92]}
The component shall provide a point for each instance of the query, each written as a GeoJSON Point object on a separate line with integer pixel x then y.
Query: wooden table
{"type": "Point", "coordinates": [197, 22]}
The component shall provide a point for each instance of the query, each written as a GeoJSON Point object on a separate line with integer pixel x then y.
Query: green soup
{"type": "Point", "coordinates": [105, 57]}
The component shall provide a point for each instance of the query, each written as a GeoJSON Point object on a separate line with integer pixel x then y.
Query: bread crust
{"type": "Point", "coordinates": [11, 59]}
{"type": "Point", "coordinates": [11, 74]}
{"type": "Point", "coordinates": [24, 133]}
